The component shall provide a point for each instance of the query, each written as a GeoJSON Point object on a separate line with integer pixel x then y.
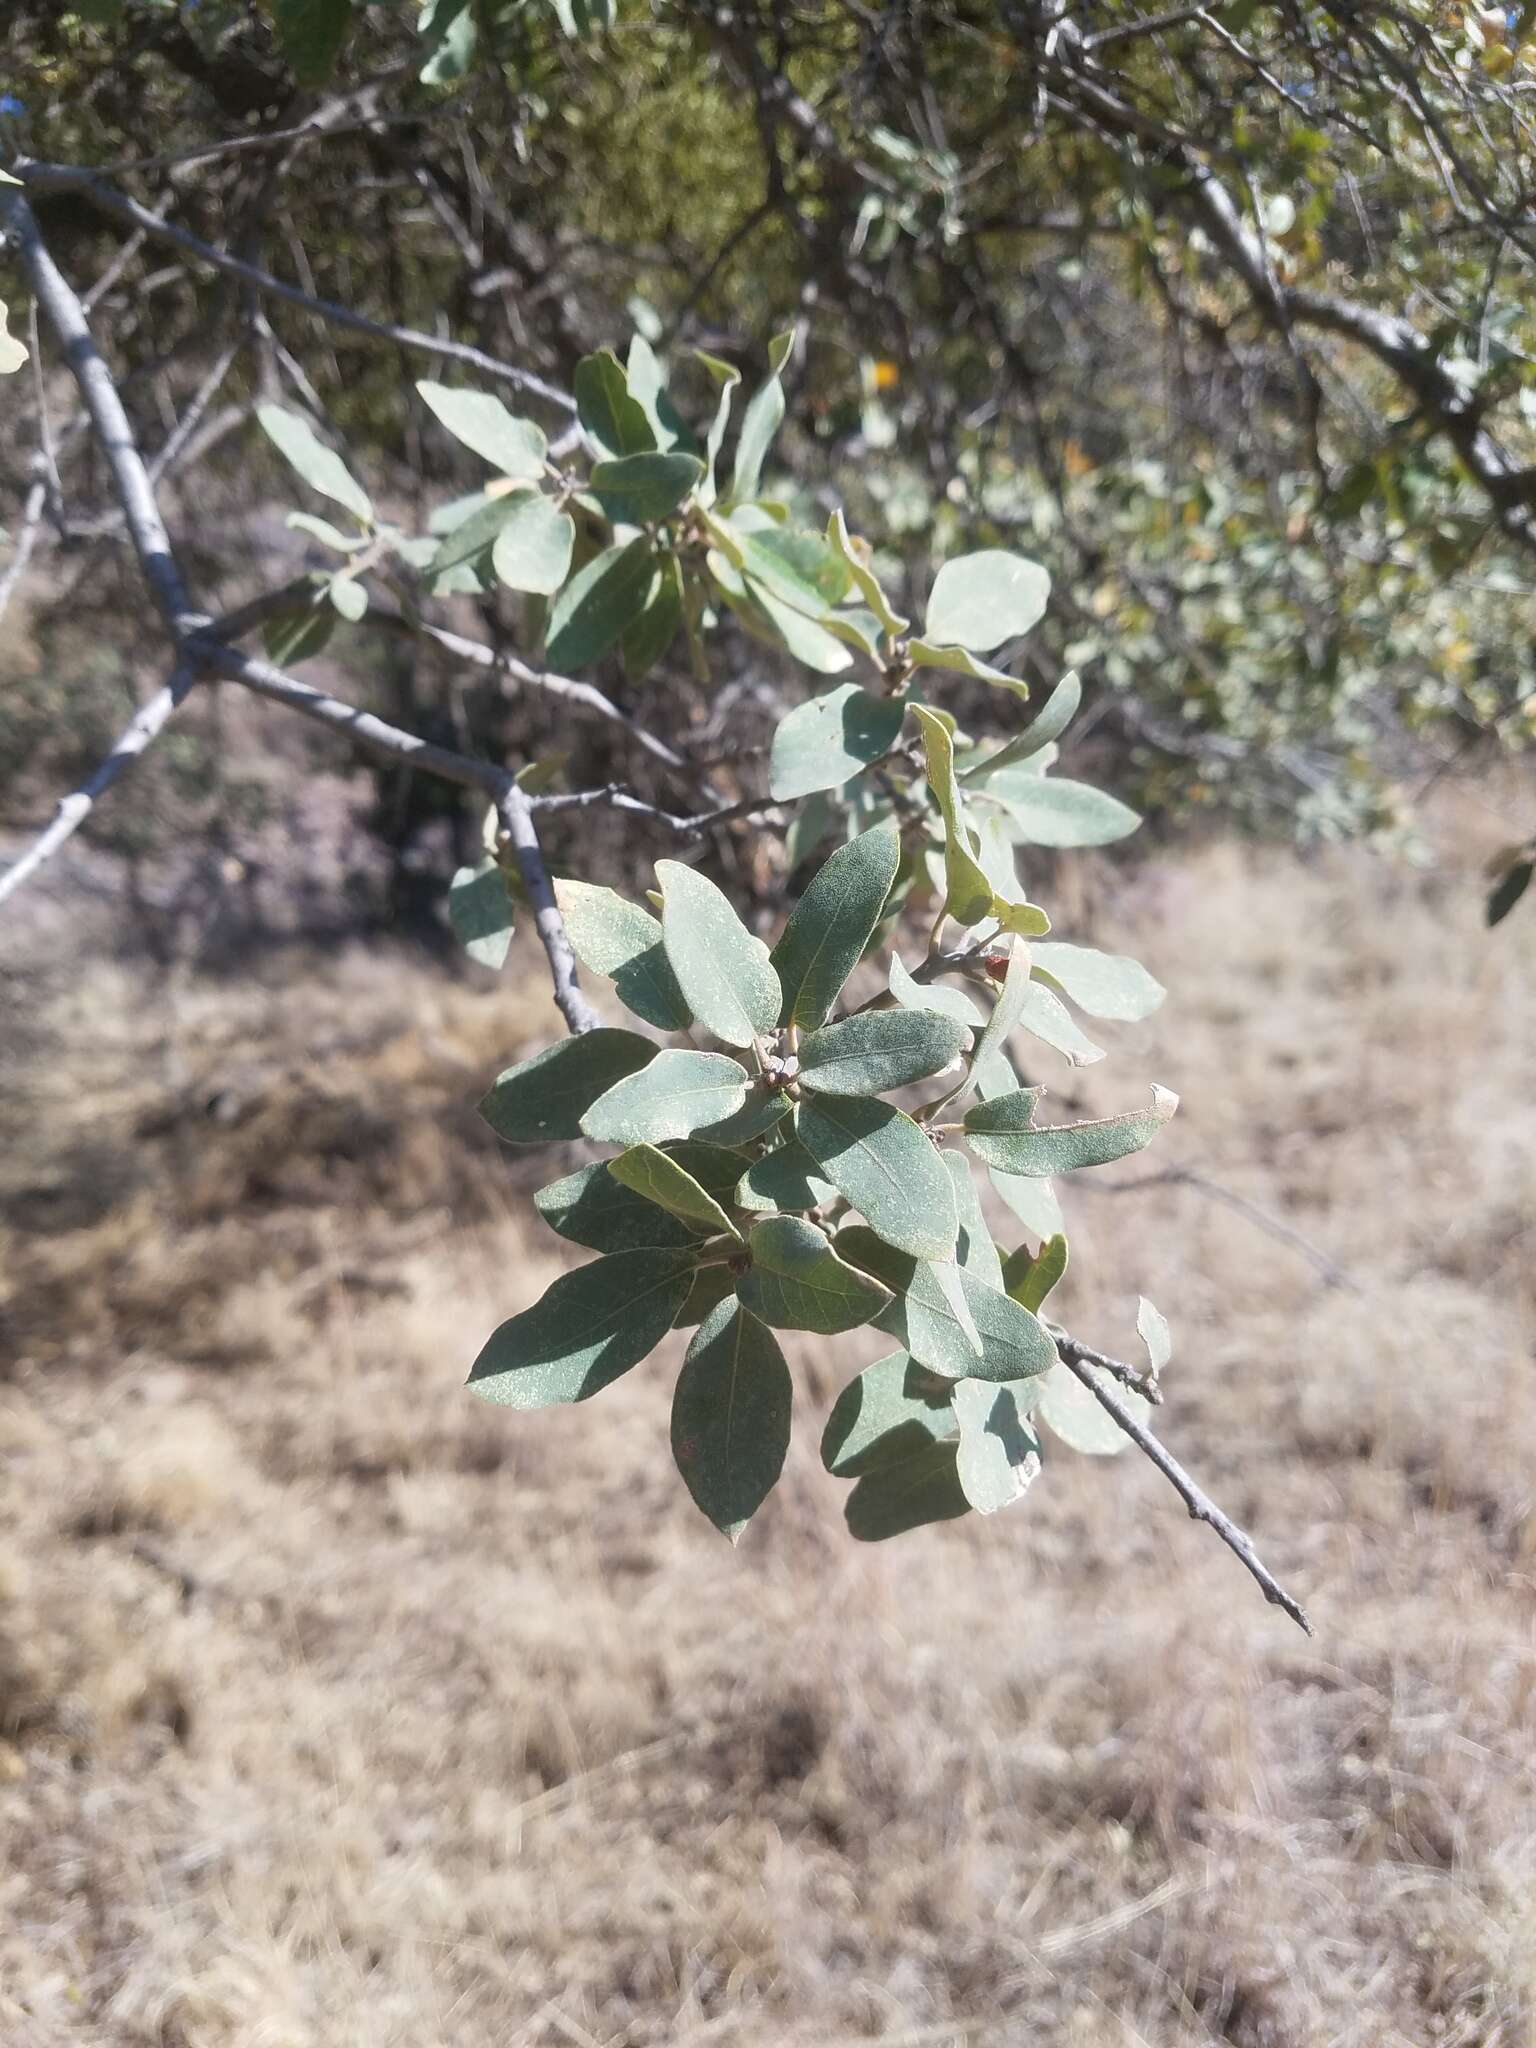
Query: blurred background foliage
{"type": "Point", "coordinates": [1224, 314]}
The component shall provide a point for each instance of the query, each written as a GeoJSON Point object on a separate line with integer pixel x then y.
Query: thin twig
{"type": "Point", "coordinates": [1328, 1270]}
{"type": "Point", "coordinates": [1139, 1379]}
{"type": "Point", "coordinates": [1201, 1507]}
{"type": "Point", "coordinates": [73, 178]}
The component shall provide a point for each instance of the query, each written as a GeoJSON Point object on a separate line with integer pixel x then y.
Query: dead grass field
{"type": "Point", "coordinates": [341, 1711]}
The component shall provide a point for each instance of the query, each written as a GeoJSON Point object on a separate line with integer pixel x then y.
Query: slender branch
{"type": "Point", "coordinates": [614, 796]}
{"type": "Point", "coordinates": [41, 177]}
{"type": "Point", "coordinates": [1139, 1379]}
{"type": "Point", "coordinates": [1329, 1271]}
{"type": "Point", "coordinates": [1201, 1507]}
{"type": "Point", "coordinates": [73, 810]}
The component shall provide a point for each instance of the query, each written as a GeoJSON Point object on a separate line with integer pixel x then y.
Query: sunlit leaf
{"type": "Point", "coordinates": [547, 1096]}
{"type": "Point", "coordinates": [731, 1416]}
{"type": "Point", "coordinates": [589, 1327]}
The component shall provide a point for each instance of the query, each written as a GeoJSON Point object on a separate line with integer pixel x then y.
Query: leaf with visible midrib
{"type": "Point", "coordinates": [878, 1050]}
{"type": "Point", "coordinates": [999, 1132]}
{"type": "Point", "coordinates": [731, 1416]}
{"type": "Point", "coordinates": [546, 1097]}
{"type": "Point", "coordinates": [590, 1326]}
{"type": "Point", "coordinates": [591, 1208]}
{"type": "Point", "coordinates": [594, 609]}
{"type": "Point", "coordinates": [832, 923]}
{"type": "Point", "coordinates": [677, 1094]}
{"type": "Point", "coordinates": [614, 419]}
{"type": "Point", "coordinates": [882, 1411]}
{"type": "Point", "coordinates": [886, 1167]}
{"type": "Point", "coordinates": [618, 938]}
{"type": "Point", "coordinates": [797, 1282]}
{"type": "Point", "coordinates": [921, 1316]}
{"type": "Point", "coordinates": [482, 423]}
{"type": "Point", "coordinates": [662, 1180]}
{"type": "Point", "coordinates": [828, 740]}
{"type": "Point", "coordinates": [722, 969]}
{"type": "Point", "coordinates": [323, 470]}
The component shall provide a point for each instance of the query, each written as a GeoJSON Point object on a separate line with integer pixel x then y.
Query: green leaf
{"type": "Point", "coordinates": [1152, 1329]}
{"type": "Point", "coordinates": [348, 597]}
{"type": "Point", "coordinates": [884, 1412]}
{"type": "Point", "coordinates": [796, 566]}
{"type": "Point", "coordinates": [797, 1282]}
{"type": "Point", "coordinates": [660, 1179]}
{"type": "Point", "coordinates": [1502, 898]}
{"type": "Point", "coordinates": [802, 637]}
{"type": "Point", "coordinates": [1001, 1133]}
{"type": "Point", "coordinates": [763, 1108]}
{"type": "Point", "coordinates": [482, 423]}
{"type": "Point", "coordinates": [923, 1318]}
{"type": "Point", "coordinates": [728, 377]}
{"type": "Point", "coordinates": [1071, 1412]}
{"type": "Point", "coordinates": [468, 543]}
{"type": "Point", "coordinates": [615, 420]}
{"type": "Point", "coordinates": [532, 549]}
{"type": "Point", "coordinates": [865, 578]}
{"type": "Point", "coordinates": [1032, 1201]}
{"type": "Point", "coordinates": [1046, 1017]}
{"type": "Point", "coordinates": [480, 911]}
{"type": "Point", "coordinates": [615, 937]}
{"type": "Point", "coordinates": [784, 1179]}
{"type": "Point", "coordinates": [647, 386]}
{"type": "Point", "coordinates": [548, 1096]}
{"type": "Point", "coordinates": [639, 488]}
{"type": "Point", "coordinates": [299, 632]}
{"type": "Point", "coordinates": [999, 1455]}
{"type": "Point", "coordinates": [1029, 1279]}
{"type": "Point", "coordinates": [833, 922]}
{"type": "Point", "coordinates": [1040, 733]}
{"type": "Point", "coordinates": [974, 1250]}
{"type": "Point", "coordinates": [1047, 810]}
{"type": "Point", "coordinates": [722, 969]}
{"type": "Point", "coordinates": [990, 1069]}
{"type": "Point", "coordinates": [941, 1002]}
{"type": "Point", "coordinates": [968, 892]}
{"type": "Point", "coordinates": [711, 1286]}
{"type": "Point", "coordinates": [590, 1326]}
{"type": "Point", "coordinates": [450, 31]}
{"type": "Point", "coordinates": [677, 1094]}
{"type": "Point", "coordinates": [979, 601]}
{"type": "Point", "coordinates": [886, 1167]}
{"type": "Point", "coordinates": [1103, 984]}
{"type": "Point", "coordinates": [878, 1050]}
{"type": "Point", "coordinates": [599, 604]}
{"type": "Point", "coordinates": [590, 1207]}
{"type": "Point", "coordinates": [731, 1417]}
{"type": "Point", "coordinates": [909, 1491]}
{"type": "Point", "coordinates": [322, 530]}
{"type": "Point", "coordinates": [760, 423]}
{"type": "Point", "coordinates": [959, 661]}
{"type": "Point", "coordinates": [826, 741]}
{"type": "Point", "coordinates": [311, 35]}
{"type": "Point", "coordinates": [323, 470]}
{"type": "Point", "coordinates": [647, 637]}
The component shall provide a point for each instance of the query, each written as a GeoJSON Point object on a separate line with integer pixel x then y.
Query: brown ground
{"type": "Point", "coordinates": [341, 1711]}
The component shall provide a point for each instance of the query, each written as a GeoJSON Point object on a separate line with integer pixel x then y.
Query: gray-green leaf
{"type": "Point", "coordinates": [1000, 1132]}
{"type": "Point", "coordinates": [590, 1326]}
{"type": "Point", "coordinates": [1014, 1344]}
{"type": "Point", "coordinates": [998, 1453]}
{"type": "Point", "coordinates": [1049, 810]}
{"type": "Point", "coordinates": [532, 549]}
{"type": "Point", "coordinates": [833, 922]}
{"type": "Point", "coordinates": [797, 1282]}
{"type": "Point", "coordinates": [1073, 1414]}
{"type": "Point", "coordinates": [878, 1050]}
{"type": "Point", "coordinates": [883, 1412]}
{"type": "Point", "coordinates": [913, 994]}
{"type": "Point", "coordinates": [590, 1207]}
{"type": "Point", "coordinates": [480, 911]}
{"type": "Point", "coordinates": [723, 970]}
{"type": "Point", "coordinates": [760, 423]}
{"type": "Point", "coordinates": [482, 423]}
{"type": "Point", "coordinates": [547, 1097]}
{"type": "Point", "coordinates": [824, 742]}
{"type": "Point", "coordinates": [613, 936]}
{"type": "Point", "coordinates": [731, 1416]}
{"type": "Point", "coordinates": [639, 488]}
{"type": "Point", "coordinates": [615, 420]}
{"type": "Point", "coordinates": [974, 1249]}
{"type": "Point", "coordinates": [599, 604]}
{"type": "Point", "coordinates": [886, 1167]}
{"type": "Point", "coordinates": [662, 1180]}
{"type": "Point", "coordinates": [917, 1486]}
{"type": "Point", "coordinates": [323, 470]}
{"type": "Point", "coordinates": [981, 600]}
{"type": "Point", "coordinates": [677, 1094]}
{"type": "Point", "coordinates": [1103, 984]}
{"type": "Point", "coordinates": [784, 1179]}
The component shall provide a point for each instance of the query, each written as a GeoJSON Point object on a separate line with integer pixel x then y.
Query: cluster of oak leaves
{"type": "Point", "coordinates": [771, 1185]}
{"type": "Point", "coordinates": [774, 1187]}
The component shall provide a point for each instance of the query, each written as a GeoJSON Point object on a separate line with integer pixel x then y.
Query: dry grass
{"type": "Point", "coordinates": [339, 1709]}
